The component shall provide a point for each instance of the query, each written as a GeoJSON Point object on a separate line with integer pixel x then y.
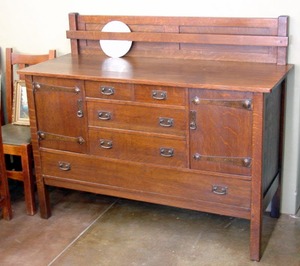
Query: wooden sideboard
{"type": "Point", "coordinates": [191, 117]}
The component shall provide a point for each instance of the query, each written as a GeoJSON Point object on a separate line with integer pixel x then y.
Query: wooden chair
{"type": "Point", "coordinates": [16, 138]}
{"type": "Point", "coordinates": [5, 204]}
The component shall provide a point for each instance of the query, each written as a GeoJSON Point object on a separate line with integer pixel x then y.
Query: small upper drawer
{"type": "Point", "coordinates": [160, 95]}
{"type": "Point", "coordinates": [109, 90]}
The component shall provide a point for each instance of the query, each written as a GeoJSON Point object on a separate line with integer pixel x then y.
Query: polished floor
{"type": "Point", "coordinates": [89, 229]}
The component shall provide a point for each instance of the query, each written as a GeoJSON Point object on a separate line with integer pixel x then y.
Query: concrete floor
{"type": "Point", "coordinates": [89, 229]}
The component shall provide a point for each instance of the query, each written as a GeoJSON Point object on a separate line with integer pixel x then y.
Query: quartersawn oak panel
{"type": "Point", "coordinates": [221, 131]}
{"type": "Point", "coordinates": [52, 104]}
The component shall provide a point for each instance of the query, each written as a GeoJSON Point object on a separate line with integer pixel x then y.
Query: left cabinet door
{"type": "Point", "coordinates": [60, 113]}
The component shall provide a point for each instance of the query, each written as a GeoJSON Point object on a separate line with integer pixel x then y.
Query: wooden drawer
{"type": "Point", "coordinates": [138, 147]}
{"type": "Point", "coordinates": [160, 95]}
{"type": "Point", "coordinates": [138, 117]}
{"type": "Point", "coordinates": [109, 90]}
{"type": "Point", "coordinates": [116, 177]}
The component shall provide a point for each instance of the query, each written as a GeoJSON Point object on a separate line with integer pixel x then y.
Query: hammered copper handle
{"type": "Point", "coordinates": [106, 90]}
{"type": "Point", "coordinates": [106, 144]}
{"type": "Point", "coordinates": [219, 190]}
{"type": "Point", "coordinates": [159, 95]}
{"type": "Point", "coordinates": [166, 152]}
{"type": "Point", "coordinates": [166, 122]}
{"type": "Point", "coordinates": [64, 166]}
{"type": "Point", "coordinates": [103, 115]}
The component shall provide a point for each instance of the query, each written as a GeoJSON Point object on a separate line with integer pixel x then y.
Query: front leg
{"type": "Point", "coordinates": [44, 200]}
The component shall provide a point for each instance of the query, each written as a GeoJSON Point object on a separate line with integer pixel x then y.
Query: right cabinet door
{"type": "Point", "coordinates": [221, 131]}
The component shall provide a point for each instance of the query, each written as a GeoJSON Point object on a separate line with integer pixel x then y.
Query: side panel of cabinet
{"type": "Point", "coordinates": [60, 111]}
{"type": "Point", "coordinates": [221, 131]}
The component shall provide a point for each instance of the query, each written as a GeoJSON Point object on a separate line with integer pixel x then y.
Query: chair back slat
{"type": "Point", "coordinates": [15, 61]}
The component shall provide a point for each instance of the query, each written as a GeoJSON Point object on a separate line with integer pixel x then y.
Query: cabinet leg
{"type": "Point", "coordinates": [44, 200]}
{"type": "Point", "coordinates": [29, 187]}
{"type": "Point", "coordinates": [255, 237]}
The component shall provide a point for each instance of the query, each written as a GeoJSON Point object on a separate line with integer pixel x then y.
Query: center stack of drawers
{"type": "Point", "coordinates": [138, 123]}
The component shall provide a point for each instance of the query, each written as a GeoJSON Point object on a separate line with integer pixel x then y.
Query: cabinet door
{"type": "Point", "coordinates": [60, 114]}
{"type": "Point", "coordinates": [221, 131]}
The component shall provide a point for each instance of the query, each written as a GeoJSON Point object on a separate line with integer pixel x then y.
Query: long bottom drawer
{"type": "Point", "coordinates": [170, 186]}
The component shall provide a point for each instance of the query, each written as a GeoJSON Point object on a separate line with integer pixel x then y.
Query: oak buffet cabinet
{"type": "Point", "coordinates": [191, 117]}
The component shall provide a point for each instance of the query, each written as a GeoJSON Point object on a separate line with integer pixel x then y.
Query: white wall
{"type": "Point", "coordinates": [36, 26]}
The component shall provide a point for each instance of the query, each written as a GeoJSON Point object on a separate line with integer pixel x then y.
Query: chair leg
{"type": "Point", "coordinates": [5, 203]}
{"type": "Point", "coordinates": [6, 209]}
{"type": "Point", "coordinates": [29, 186]}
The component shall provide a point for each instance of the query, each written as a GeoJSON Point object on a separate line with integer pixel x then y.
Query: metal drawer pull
{"type": "Point", "coordinates": [105, 90]}
{"type": "Point", "coordinates": [243, 103]}
{"type": "Point", "coordinates": [237, 161]}
{"type": "Point", "coordinates": [64, 166]}
{"type": "Point", "coordinates": [193, 121]}
{"type": "Point", "coordinates": [45, 87]}
{"type": "Point", "coordinates": [166, 122]}
{"type": "Point", "coordinates": [159, 95]}
{"type": "Point", "coordinates": [167, 152]}
{"type": "Point", "coordinates": [220, 190]}
{"type": "Point", "coordinates": [103, 115]}
{"type": "Point", "coordinates": [49, 136]}
{"type": "Point", "coordinates": [80, 107]}
{"type": "Point", "coordinates": [80, 113]}
{"type": "Point", "coordinates": [106, 144]}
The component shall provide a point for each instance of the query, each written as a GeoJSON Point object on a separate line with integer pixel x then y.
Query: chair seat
{"type": "Point", "coordinates": [16, 134]}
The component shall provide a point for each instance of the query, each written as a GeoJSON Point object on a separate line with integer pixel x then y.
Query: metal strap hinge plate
{"type": "Point", "coordinates": [44, 87]}
{"type": "Point", "coordinates": [243, 103]}
{"type": "Point", "coordinates": [238, 161]}
{"type": "Point", "coordinates": [50, 136]}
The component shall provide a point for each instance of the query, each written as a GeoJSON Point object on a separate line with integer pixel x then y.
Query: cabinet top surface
{"type": "Point", "coordinates": [219, 75]}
